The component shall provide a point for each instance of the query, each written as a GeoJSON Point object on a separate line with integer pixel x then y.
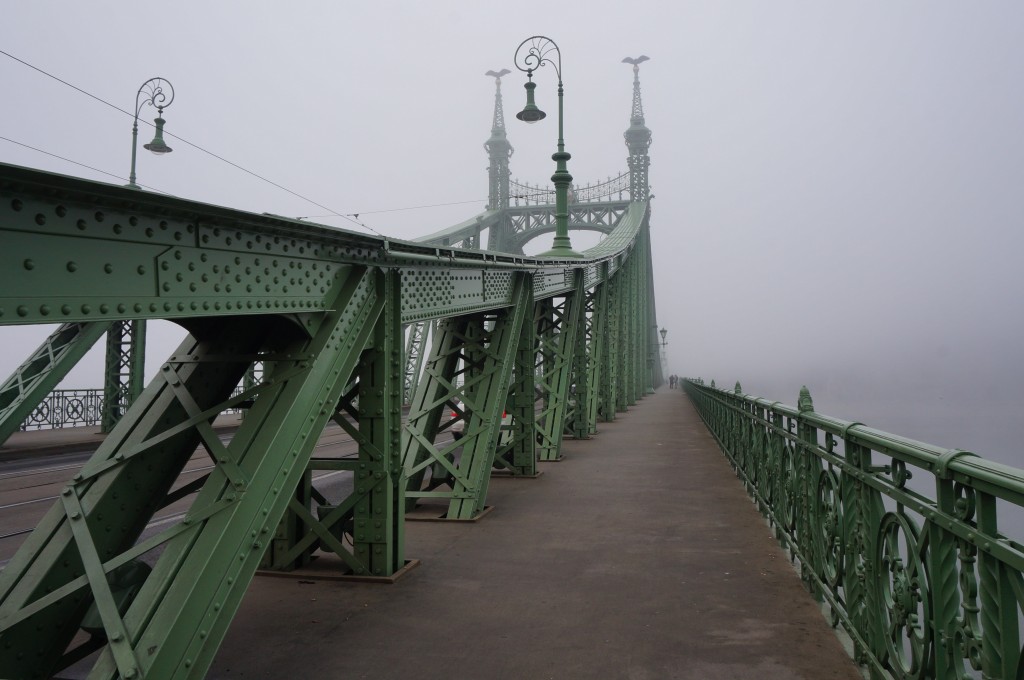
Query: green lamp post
{"type": "Point", "coordinates": [531, 54]}
{"type": "Point", "coordinates": [152, 93]}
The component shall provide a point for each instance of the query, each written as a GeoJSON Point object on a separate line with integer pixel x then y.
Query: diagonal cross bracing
{"type": "Point", "coordinates": [470, 369]}
{"type": "Point", "coordinates": [322, 310]}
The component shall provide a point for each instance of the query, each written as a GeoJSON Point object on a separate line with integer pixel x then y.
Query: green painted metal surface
{"type": "Point", "coordinates": [553, 342]}
{"type": "Point", "coordinates": [125, 365]}
{"type": "Point", "coordinates": [918, 573]}
{"type": "Point", "coordinates": [43, 370]}
{"type": "Point", "coordinates": [469, 373]}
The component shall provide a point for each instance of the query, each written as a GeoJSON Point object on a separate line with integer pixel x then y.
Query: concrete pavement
{"type": "Point", "coordinates": [639, 556]}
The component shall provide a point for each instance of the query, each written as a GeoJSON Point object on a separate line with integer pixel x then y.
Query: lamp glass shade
{"type": "Point", "coordinates": [531, 114]}
{"type": "Point", "coordinates": [158, 146]}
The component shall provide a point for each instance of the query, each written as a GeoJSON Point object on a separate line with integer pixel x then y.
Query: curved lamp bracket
{"type": "Point", "coordinates": [535, 52]}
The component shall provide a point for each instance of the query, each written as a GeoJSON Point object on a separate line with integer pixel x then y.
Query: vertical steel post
{"type": "Point", "coordinates": [522, 398]}
{"type": "Point", "coordinates": [595, 356]}
{"type": "Point", "coordinates": [124, 370]}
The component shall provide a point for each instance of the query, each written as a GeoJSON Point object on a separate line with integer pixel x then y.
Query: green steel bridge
{"type": "Point", "coordinates": [300, 325]}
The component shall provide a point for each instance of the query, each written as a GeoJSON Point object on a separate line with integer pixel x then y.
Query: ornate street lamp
{"type": "Point", "coordinates": [535, 53]}
{"type": "Point", "coordinates": [152, 93]}
{"type": "Point", "coordinates": [664, 332]}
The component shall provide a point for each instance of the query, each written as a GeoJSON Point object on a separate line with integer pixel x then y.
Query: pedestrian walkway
{"type": "Point", "coordinates": [638, 556]}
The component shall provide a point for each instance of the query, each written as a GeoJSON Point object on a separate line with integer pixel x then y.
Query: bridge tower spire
{"type": "Point", "coordinates": [638, 138]}
{"type": "Point", "coordinates": [499, 150]}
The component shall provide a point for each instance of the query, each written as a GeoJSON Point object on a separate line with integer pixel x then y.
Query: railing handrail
{"type": "Point", "coordinates": [926, 585]}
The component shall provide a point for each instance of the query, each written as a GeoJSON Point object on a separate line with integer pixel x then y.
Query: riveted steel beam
{"type": "Point", "coordinates": [183, 608]}
{"type": "Point", "coordinates": [557, 323]}
{"type": "Point", "coordinates": [597, 336]}
{"type": "Point", "coordinates": [517, 453]}
{"type": "Point", "coordinates": [320, 309]}
{"type": "Point", "coordinates": [123, 374]}
{"type": "Point", "coordinates": [369, 410]}
{"type": "Point", "coordinates": [469, 370]}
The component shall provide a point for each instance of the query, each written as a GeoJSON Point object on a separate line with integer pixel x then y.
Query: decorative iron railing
{"type": "Point", "coordinates": [84, 408]}
{"type": "Point", "coordinates": [66, 408]}
{"type": "Point", "coordinates": [612, 189]}
{"type": "Point", "coordinates": [918, 573]}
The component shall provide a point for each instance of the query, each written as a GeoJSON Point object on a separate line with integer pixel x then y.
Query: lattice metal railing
{"type": "Point", "coordinates": [66, 408]}
{"type": "Point", "coordinates": [84, 408]}
{"type": "Point", "coordinates": [612, 189]}
{"type": "Point", "coordinates": [906, 542]}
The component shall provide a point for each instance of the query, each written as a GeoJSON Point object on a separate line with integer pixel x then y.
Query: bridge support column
{"type": "Point", "coordinates": [623, 360]}
{"type": "Point", "coordinates": [602, 352]}
{"type": "Point", "coordinates": [519, 454]}
{"type": "Point", "coordinates": [587, 371]}
{"type": "Point", "coordinates": [485, 346]}
{"type": "Point", "coordinates": [169, 624]}
{"type": "Point", "coordinates": [557, 326]}
{"type": "Point", "coordinates": [124, 372]}
{"type": "Point", "coordinates": [369, 411]}
{"type": "Point", "coordinates": [579, 420]}
{"type": "Point", "coordinates": [612, 385]}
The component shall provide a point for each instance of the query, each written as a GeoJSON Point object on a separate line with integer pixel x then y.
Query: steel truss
{"type": "Point", "coordinates": [469, 372]}
{"type": "Point", "coordinates": [417, 337]}
{"type": "Point", "coordinates": [557, 323]}
{"type": "Point", "coordinates": [512, 228]}
{"type": "Point", "coordinates": [125, 367]}
{"type": "Point", "coordinates": [322, 311]}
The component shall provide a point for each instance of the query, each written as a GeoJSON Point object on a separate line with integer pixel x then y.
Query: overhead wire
{"type": "Point", "coordinates": [333, 213]}
{"type": "Point", "coordinates": [413, 207]}
{"type": "Point", "coordinates": [103, 172]}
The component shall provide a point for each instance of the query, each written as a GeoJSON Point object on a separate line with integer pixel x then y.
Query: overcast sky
{"type": "Point", "coordinates": [838, 184]}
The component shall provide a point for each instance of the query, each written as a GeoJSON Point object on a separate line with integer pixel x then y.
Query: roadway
{"type": "Point", "coordinates": [637, 556]}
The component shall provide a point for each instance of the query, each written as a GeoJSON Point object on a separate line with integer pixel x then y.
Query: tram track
{"type": "Point", "coordinates": [335, 442]}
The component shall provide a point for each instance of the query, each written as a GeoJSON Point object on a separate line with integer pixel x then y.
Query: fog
{"type": "Point", "coordinates": [837, 185]}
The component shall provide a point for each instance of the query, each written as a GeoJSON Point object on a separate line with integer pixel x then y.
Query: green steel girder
{"type": "Point", "coordinates": [321, 309]}
{"type": "Point", "coordinates": [512, 228]}
{"type": "Point", "coordinates": [470, 370]}
{"type": "Point", "coordinates": [81, 251]}
{"type": "Point", "coordinates": [557, 324]}
{"type": "Point", "coordinates": [582, 417]}
{"type": "Point", "coordinates": [124, 371]}
{"type": "Point", "coordinates": [608, 308]}
{"type": "Point", "coordinates": [634, 328]}
{"type": "Point", "coordinates": [370, 412]}
{"type": "Point", "coordinates": [183, 608]}
{"type": "Point", "coordinates": [518, 455]}
{"type": "Point", "coordinates": [418, 336]}
{"type": "Point", "coordinates": [594, 354]}
{"type": "Point", "coordinates": [530, 222]}
{"type": "Point", "coordinates": [44, 368]}
{"type": "Point", "coordinates": [621, 316]}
